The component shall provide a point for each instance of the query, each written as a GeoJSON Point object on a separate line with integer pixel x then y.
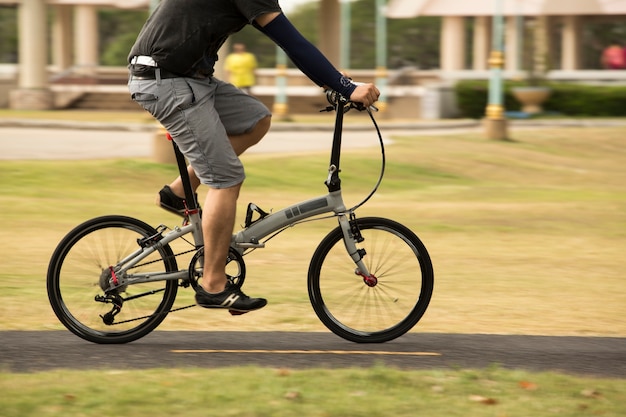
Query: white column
{"type": "Point", "coordinates": [571, 43]}
{"type": "Point", "coordinates": [514, 39]}
{"type": "Point", "coordinates": [452, 43]}
{"type": "Point", "coordinates": [482, 44]}
{"type": "Point", "coordinates": [32, 92]}
{"type": "Point", "coordinates": [86, 39]}
{"type": "Point", "coordinates": [33, 48]}
{"type": "Point", "coordinates": [542, 44]}
{"type": "Point", "coordinates": [329, 30]}
{"type": "Point", "coordinates": [62, 37]}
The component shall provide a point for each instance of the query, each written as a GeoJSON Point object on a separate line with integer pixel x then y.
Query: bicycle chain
{"type": "Point", "coordinates": [153, 315]}
{"type": "Point", "coordinates": [165, 312]}
{"type": "Point", "coordinates": [166, 258]}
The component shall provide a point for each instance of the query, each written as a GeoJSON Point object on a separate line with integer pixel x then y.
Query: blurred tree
{"type": "Point", "coordinates": [304, 17]}
{"type": "Point", "coordinates": [411, 42]}
{"type": "Point", "coordinates": [8, 34]}
{"type": "Point", "coordinates": [118, 30]}
{"type": "Point", "coordinates": [414, 42]}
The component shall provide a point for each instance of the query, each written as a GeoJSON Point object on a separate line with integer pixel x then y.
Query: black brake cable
{"type": "Point", "coordinates": [365, 200]}
{"type": "Point", "coordinates": [382, 165]}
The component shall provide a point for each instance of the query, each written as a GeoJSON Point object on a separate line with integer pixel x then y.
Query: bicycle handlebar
{"type": "Point", "coordinates": [335, 98]}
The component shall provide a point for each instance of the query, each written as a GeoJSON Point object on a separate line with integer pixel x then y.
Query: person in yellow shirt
{"type": "Point", "coordinates": [240, 65]}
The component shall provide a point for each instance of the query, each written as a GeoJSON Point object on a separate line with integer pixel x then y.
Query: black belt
{"type": "Point", "coordinates": [150, 73]}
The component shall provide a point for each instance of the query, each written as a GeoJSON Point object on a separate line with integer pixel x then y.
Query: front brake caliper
{"type": "Point", "coordinates": [354, 229]}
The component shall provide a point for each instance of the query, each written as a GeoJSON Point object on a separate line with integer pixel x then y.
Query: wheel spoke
{"type": "Point", "coordinates": [82, 260]}
{"type": "Point", "coordinates": [388, 309]}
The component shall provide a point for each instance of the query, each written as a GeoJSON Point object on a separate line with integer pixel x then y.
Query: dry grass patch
{"type": "Point", "coordinates": [526, 236]}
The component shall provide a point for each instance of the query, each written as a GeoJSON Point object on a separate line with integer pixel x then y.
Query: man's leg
{"type": "Point", "coordinates": [218, 216]}
{"type": "Point", "coordinates": [239, 142]}
{"type": "Point", "coordinates": [218, 220]}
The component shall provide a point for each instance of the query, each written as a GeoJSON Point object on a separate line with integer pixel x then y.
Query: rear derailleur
{"type": "Point", "coordinates": [112, 298]}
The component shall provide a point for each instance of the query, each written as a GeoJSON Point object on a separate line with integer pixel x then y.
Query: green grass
{"type": "Point", "coordinates": [248, 392]}
{"type": "Point", "coordinates": [526, 237]}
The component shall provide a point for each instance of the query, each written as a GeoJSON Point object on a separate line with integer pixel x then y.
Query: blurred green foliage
{"type": "Point", "coordinates": [567, 99]}
{"type": "Point", "coordinates": [411, 42]}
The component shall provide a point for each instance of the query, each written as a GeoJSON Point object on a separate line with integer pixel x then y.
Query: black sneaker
{"type": "Point", "coordinates": [232, 298]}
{"type": "Point", "coordinates": [171, 202]}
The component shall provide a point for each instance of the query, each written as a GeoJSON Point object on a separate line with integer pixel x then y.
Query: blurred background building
{"type": "Point", "coordinates": [416, 49]}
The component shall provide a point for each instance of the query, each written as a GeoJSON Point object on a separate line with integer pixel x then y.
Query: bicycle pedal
{"type": "Point", "coordinates": [237, 313]}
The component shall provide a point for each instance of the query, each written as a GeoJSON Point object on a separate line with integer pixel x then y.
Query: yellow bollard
{"type": "Point", "coordinates": [495, 124]}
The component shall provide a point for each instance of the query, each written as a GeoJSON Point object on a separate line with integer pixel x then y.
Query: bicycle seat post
{"type": "Point", "coordinates": [192, 204]}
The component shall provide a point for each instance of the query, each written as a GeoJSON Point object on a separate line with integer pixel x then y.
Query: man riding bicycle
{"type": "Point", "coordinates": [213, 122]}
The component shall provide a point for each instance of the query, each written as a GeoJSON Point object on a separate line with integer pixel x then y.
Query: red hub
{"type": "Point", "coordinates": [369, 280]}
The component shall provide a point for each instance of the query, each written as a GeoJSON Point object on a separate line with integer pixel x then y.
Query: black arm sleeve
{"type": "Point", "coordinates": [306, 56]}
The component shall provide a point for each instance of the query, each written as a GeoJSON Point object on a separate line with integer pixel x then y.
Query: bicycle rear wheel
{"type": "Point", "coordinates": [390, 305]}
{"type": "Point", "coordinates": [82, 260]}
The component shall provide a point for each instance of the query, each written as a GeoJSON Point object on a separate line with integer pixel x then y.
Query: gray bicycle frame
{"type": "Point", "coordinates": [249, 237]}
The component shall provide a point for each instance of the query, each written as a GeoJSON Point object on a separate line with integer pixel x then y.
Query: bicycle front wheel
{"type": "Point", "coordinates": [75, 281]}
{"type": "Point", "coordinates": [383, 308]}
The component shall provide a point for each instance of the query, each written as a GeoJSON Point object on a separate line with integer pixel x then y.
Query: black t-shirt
{"type": "Point", "coordinates": [184, 36]}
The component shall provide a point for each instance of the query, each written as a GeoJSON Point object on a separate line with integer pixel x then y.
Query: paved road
{"type": "Point", "coordinates": [62, 139]}
{"type": "Point", "coordinates": [96, 141]}
{"type": "Point", "coordinates": [72, 144]}
{"type": "Point", "coordinates": [26, 351]}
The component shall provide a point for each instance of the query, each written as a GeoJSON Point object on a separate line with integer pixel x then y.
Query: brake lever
{"type": "Point", "coordinates": [335, 98]}
{"type": "Point", "coordinates": [361, 107]}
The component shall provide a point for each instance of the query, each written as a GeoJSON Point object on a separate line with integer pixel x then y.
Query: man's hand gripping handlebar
{"type": "Point", "coordinates": [336, 98]}
{"type": "Point", "coordinates": [365, 93]}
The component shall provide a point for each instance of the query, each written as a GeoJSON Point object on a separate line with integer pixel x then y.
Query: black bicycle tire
{"type": "Point", "coordinates": [54, 291]}
{"type": "Point", "coordinates": [412, 318]}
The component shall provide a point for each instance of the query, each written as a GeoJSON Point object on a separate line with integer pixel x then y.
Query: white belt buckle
{"type": "Point", "coordinates": [143, 60]}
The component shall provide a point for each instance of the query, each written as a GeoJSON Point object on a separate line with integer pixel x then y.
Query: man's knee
{"type": "Point", "coordinates": [259, 131]}
{"type": "Point", "coordinates": [263, 126]}
{"type": "Point", "coordinates": [242, 142]}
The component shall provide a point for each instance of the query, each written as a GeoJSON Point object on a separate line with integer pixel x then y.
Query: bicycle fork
{"type": "Point", "coordinates": [352, 236]}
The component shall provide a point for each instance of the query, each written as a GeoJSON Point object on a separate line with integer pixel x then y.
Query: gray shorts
{"type": "Point", "coordinates": [200, 115]}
